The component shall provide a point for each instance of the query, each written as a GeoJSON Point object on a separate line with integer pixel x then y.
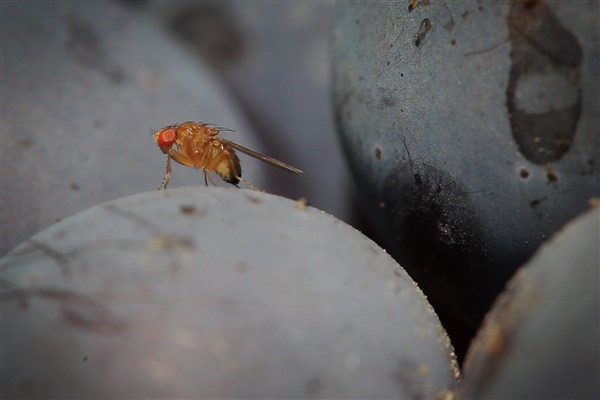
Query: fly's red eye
{"type": "Point", "coordinates": [166, 138]}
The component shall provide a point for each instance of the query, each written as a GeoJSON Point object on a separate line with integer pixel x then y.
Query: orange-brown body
{"type": "Point", "coordinates": [196, 144]}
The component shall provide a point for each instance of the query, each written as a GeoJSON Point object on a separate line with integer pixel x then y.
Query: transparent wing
{"type": "Point", "coordinates": [215, 126]}
{"type": "Point", "coordinates": [262, 157]}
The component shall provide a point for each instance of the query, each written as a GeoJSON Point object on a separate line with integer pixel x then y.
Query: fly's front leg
{"type": "Point", "coordinates": [168, 176]}
{"type": "Point", "coordinates": [179, 158]}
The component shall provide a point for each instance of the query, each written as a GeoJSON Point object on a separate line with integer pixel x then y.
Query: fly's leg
{"type": "Point", "coordinates": [168, 176]}
{"type": "Point", "coordinates": [251, 186]}
{"type": "Point", "coordinates": [214, 163]}
{"type": "Point", "coordinates": [181, 158]}
{"type": "Point", "coordinates": [204, 162]}
{"type": "Point", "coordinates": [208, 179]}
{"type": "Point", "coordinates": [177, 157]}
{"type": "Point", "coordinates": [222, 157]}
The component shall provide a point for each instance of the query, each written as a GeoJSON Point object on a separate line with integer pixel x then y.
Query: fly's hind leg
{"type": "Point", "coordinates": [168, 176]}
{"type": "Point", "coordinates": [233, 172]}
{"type": "Point", "coordinates": [251, 186]}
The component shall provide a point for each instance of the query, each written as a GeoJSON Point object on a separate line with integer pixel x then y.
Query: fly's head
{"type": "Point", "coordinates": [165, 138]}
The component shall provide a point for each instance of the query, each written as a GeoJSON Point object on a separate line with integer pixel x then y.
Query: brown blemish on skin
{"type": "Point", "coordinates": [536, 202]}
{"type": "Point", "coordinates": [424, 27]}
{"type": "Point", "coordinates": [524, 173]}
{"type": "Point", "coordinates": [493, 345]}
{"type": "Point", "coordinates": [412, 4]}
{"type": "Point", "coordinates": [301, 204]}
{"type": "Point", "coordinates": [550, 174]}
{"type": "Point", "coordinates": [495, 340]}
{"type": "Point", "coordinates": [188, 209]}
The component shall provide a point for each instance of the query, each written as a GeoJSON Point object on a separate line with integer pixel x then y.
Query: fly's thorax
{"type": "Point", "coordinates": [195, 147]}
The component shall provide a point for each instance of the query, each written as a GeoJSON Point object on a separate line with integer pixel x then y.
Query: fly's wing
{"type": "Point", "coordinates": [262, 157]}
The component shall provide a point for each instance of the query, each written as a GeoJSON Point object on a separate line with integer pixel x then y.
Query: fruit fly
{"type": "Point", "coordinates": [198, 145]}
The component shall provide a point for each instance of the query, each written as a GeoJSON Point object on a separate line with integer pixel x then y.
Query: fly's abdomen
{"type": "Point", "coordinates": [228, 166]}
